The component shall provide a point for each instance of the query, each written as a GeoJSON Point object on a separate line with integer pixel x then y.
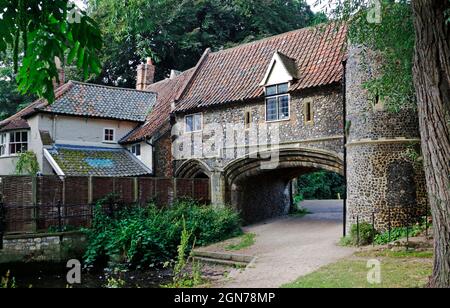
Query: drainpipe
{"type": "Point", "coordinates": [344, 91]}
{"type": "Point", "coordinates": [150, 143]}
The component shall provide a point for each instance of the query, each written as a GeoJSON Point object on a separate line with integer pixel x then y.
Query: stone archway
{"type": "Point", "coordinates": [259, 192]}
{"type": "Point", "coordinates": [193, 168]}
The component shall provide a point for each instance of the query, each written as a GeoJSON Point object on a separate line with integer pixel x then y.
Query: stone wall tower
{"type": "Point", "coordinates": [383, 175]}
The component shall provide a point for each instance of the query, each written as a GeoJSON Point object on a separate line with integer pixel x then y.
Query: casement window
{"type": "Point", "coordinates": [277, 103]}
{"type": "Point", "coordinates": [18, 142]}
{"type": "Point", "coordinates": [193, 123]}
{"type": "Point", "coordinates": [109, 135]}
{"type": "Point", "coordinates": [136, 150]}
{"type": "Point", "coordinates": [3, 145]}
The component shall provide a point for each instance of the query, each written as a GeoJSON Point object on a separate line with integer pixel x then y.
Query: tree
{"type": "Point", "coordinates": [432, 83]}
{"type": "Point", "coordinates": [10, 99]}
{"type": "Point", "coordinates": [423, 67]}
{"type": "Point", "coordinates": [37, 32]}
{"type": "Point", "coordinates": [175, 33]}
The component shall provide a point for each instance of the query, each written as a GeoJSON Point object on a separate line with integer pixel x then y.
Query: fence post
{"type": "Point", "coordinates": [357, 231]}
{"type": "Point", "coordinates": [175, 193]}
{"type": "Point", "coordinates": [373, 229]}
{"type": "Point", "coordinates": [59, 217]}
{"type": "Point", "coordinates": [90, 190]}
{"type": "Point", "coordinates": [389, 223]}
{"type": "Point", "coordinates": [136, 189]}
{"type": "Point", "coordinates": [35, 209]}
{"type": "Point", "coordinates": [426, 219]}
{"type": "Point", "coordinates": [407, 227]}
{"type": "Point", "coordinates": [2, 222]}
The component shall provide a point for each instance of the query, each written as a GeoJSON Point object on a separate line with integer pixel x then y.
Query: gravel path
{"type": "Point", "coordinates": [290, 247]}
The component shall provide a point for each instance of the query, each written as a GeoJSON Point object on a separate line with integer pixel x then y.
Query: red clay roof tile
{"type": "Point", "coordinates": [234, 74]}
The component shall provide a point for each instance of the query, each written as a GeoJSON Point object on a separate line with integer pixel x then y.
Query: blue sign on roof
{"type": "Point", "coordinates": [99, 162]}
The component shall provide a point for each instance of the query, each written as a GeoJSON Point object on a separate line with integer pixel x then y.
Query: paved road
{"type": "Point", "coordinates": [290, 247]}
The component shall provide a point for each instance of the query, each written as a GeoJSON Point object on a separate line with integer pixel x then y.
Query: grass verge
{"type": "Point", "coordinates": [245, 241]}
{"type": "Point", "coordinates": [402, 269]}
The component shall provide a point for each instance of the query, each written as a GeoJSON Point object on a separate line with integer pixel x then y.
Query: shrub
{"type": "Point", "coordinates": [366, 235]}
{"type": "Point", "coordinates": [399, 233]}
{"type": "Point", "coordinates": [150, 236]}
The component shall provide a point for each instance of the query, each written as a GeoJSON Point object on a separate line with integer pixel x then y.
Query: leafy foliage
{"type": "Point", "coordinates": [150, 236]}
{"type": "Point", "coordinates": [40, 31]}
{"type": "Point", "coordinates": [320, 185]}
{"type": "Point", "coordinates": [393, 39]}
{"type": "Point", "coordinates": [400, 233]}
{"type": "Point", "coordinates": [11, 100]}
{"type": "Point", "coordinates": [7, 282]}
{"type": "Point", "coordinates": [182, 278]}
{"type": "Point", "coordinates": [360, 237]}
{"type": "Point", "coordinates": [27, 164]}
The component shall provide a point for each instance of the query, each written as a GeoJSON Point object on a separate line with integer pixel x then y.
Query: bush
{"type": "Point", "coordinates": [399, 233]}
{"type": "Point", "coordinates": [366, 235]}
{"type": "Point", "coordinates": [150, 236]}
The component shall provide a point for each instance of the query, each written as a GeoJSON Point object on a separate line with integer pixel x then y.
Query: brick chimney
{"type": "Point", "coordinates": [61, 74]}
{"type": "Point", "coordinates": [145, 74]}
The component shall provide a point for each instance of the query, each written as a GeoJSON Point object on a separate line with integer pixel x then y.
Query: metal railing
{"type": "Point", "coordinates": [406, 224]}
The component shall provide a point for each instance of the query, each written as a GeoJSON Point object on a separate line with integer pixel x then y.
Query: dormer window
{"type": "Point", "coordinates": [277, 102]}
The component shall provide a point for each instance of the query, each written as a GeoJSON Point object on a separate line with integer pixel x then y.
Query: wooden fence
{"type": "Point", "coordinates": [33, 204]}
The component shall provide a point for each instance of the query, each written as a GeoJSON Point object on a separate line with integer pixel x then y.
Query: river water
{"type": "Point", "coordinates": [51, 275]}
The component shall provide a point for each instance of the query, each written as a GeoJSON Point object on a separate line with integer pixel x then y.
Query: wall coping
{"type": "Point", "coordinates": [383, 141]}
{"type": "Point", "coordinates": [40, 235]}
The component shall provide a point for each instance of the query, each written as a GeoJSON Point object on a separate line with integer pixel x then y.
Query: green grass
{"type": "Point", "coordinates": [398, 270]}
{"type": "Point", "coordinates": [398, 254]}
{"type": "Point", "coordinates": [245, 241]}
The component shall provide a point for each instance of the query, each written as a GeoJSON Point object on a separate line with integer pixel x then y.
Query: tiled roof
{"type": "Point", "coordinates": [90, 100]}
{"type": "Point", "coordinates": [16, 121]}
{"type": "Point", "coordinates": [234, 74]}
{"type": "Point", "coordinates": [166, 90]}
{"type": "Point", "coordinates": [92, 161]}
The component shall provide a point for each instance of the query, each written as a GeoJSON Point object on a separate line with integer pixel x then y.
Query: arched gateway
{"type": "Point", "coordinates": [302, 95]}
{"type": "Point", "coordinates": [259, 184]}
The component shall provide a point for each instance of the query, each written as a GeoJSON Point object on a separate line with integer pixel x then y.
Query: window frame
{"type": "Point", "coordinates": [277, 97]}
{"type": "Point", "coordinates": [9, 143]}
{"type": "Point", "coordinates": [193, 115]}
{"type": "Point", "coordinates": [113, 135]}
{"type": "Point", "coordinates": [134, 148]}
{"type": "Point", "coordinates": [4, 145]}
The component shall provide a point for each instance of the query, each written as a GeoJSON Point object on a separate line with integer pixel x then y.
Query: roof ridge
{"type": "Point", "coordinates": [262, 40]}
{"type": "Point", "coordinates": [109, 87]}
{"type": "Point", "coordinates": [169, 79]}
